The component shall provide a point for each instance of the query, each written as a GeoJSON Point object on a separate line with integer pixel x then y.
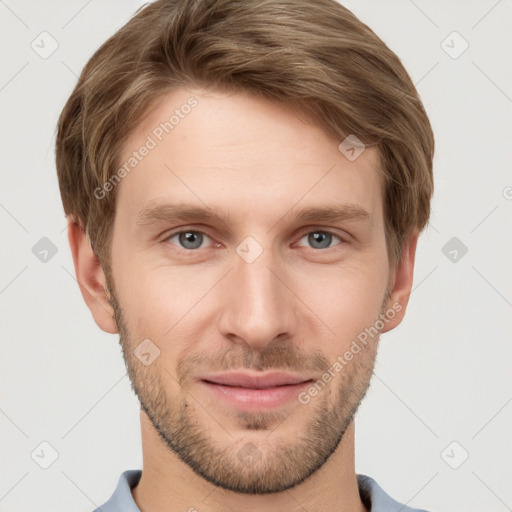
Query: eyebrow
{"type": "Point", "coordinates": [183, 212]}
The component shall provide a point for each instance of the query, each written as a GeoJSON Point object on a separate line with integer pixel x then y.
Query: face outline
{"type": "Point", "coordinates": [291, 308]}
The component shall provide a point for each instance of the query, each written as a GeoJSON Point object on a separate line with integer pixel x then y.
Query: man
{"type": "Point", "coordinates": [245, 184]}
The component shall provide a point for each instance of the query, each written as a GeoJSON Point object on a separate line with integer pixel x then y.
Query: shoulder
{"type": "Point", "coordinates": [122, 500]}
{"type": "Point", "coordinates": [376, 499]}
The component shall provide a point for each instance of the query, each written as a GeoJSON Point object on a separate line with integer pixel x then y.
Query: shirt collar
{"type": "Point", "coordinates": [372, 495]}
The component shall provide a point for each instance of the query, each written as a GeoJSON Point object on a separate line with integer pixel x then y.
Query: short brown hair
{"type": "Point", "coordinates": [313, 55]}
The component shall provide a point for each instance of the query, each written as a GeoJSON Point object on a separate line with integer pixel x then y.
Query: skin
{"type": "Point", "coordinates": [297, 307]}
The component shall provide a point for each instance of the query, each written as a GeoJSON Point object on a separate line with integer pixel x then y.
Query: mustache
{"type": "Point", "coordinates": [270, 358]}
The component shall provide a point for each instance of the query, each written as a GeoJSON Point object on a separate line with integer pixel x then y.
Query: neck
{"type": "Point", "coordinates": [168, 484]}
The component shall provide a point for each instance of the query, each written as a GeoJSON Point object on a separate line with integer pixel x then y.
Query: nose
{"type": "Point", "coordinates": [259, 307]}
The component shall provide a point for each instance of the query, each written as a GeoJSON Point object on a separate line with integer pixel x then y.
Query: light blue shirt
{"type": "Point", "coordinates": [374, 498]}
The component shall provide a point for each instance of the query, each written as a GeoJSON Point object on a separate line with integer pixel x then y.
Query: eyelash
{"type": "Point", "coordinates": [184, 250]}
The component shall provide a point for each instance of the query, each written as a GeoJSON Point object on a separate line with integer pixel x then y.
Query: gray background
{"type": "Point", "coordinates": [441, 389]}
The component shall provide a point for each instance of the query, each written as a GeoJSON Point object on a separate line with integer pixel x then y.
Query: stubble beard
{"type": "Point", "coordinates": [250, 464]}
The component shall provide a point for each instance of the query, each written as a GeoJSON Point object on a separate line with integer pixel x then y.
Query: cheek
{"type": "Point", "coordinates": [162, 303]}
{"type": "Point", "coordinates": [346, 300]}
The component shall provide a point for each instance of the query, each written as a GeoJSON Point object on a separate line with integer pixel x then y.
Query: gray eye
{"type": "Point", "coordinates": [321, 239]}
{"type": "Point", "coordinates": [190, 239]}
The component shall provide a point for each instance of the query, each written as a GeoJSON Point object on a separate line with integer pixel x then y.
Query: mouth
{"type": "Point", "coordinates": [249, 391]}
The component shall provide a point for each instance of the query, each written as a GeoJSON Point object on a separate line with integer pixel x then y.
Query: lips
{"type": "Point", "coordinates": [256, 381]}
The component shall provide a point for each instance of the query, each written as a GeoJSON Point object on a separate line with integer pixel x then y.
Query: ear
{"type": "Point", "coordinates": [91, 278]}
{"type": "Point", "coordinates": [401, 283]}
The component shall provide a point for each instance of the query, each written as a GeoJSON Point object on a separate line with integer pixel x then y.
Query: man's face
{"type": "Point", "coordinates": [254, 289]}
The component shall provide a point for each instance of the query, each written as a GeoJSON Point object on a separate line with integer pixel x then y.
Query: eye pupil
{"type": "Point", "coordinates": [319, 236]}
{"type": "Point", "coordinates": [187, 237]}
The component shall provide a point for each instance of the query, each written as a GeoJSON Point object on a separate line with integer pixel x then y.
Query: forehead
{"type": "Point", "coordinates": [236, 150]}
